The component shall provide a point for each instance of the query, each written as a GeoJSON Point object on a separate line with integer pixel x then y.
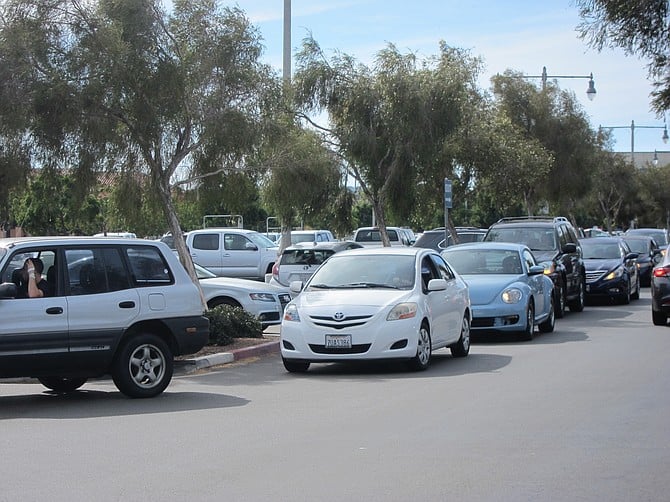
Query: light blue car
{"type": "Point", "coordinates": [508, 289]}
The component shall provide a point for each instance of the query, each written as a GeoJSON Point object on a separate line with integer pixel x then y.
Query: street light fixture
{"type": "Point", "coordinates": [632, 127]}
{"type": "Point", "coordinates": [590, 91]}
{"type": "Point", "coordinates": [656, 152]}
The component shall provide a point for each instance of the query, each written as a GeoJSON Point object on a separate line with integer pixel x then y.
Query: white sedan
{"type": "Point", "coordinates": [377, 303]}
{"type": "Point", "coordinates": [263, 301]}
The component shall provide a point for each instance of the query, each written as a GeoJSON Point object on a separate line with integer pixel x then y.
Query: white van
{"type": "Point", "coordinates": [370, 236]}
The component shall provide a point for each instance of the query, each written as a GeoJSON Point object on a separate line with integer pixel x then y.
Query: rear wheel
{"type": "Point", "coordinates": [659, 318]}
{"type": "Point", "coordinates": [421, 360]}
{"type": "Point", "coordinates": [143, 367]}
{"type": "Point", "coordinates": [294, 366]}
{"type": "Point", "coordinates": [462, 347]}
{"type": "Point", "coordinates": [62, 384]}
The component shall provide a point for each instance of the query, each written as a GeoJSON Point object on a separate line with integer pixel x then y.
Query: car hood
{"type": "Point", "coordinates": [485, 288]}
{"type": "Point", "coordinates": [600, 264]}
{"type": "Point", "coordinates": [350, 300]}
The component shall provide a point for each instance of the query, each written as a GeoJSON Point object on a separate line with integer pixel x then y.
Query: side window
{"type": "Point", "coordinates": [12, 272]}
{"type": "Point", "coordinates": [235, 242]}
{"type": "Point", "coordinates": [563, 237]}
{"type": "Point", "coordinates": [442, 268]}
{"type": "Point", "coordinates": [206, 242]}
{"type": "Point", "coordinates": [148, 266]}
{"type": "Point", "coordinates": [85, 271]}
{"type": "Point", "coordinates": [428, 272]}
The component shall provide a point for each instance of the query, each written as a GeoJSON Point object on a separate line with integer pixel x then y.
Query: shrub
{"type": "Point", "coordinates": [227, 322]}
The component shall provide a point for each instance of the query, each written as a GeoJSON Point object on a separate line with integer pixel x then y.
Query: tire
{"type": "Point", "coordinates": [659, 318]}
{"type": "Point", "coordinates": [223, 301]}
{"type": "Point", "coordinates": [462, 347]}
{"type": "Point", "coordinates": [548, 325]}
{"type": "Point", "coordinates": [577, 305]}
{"type": "Point", "coordinates": [421, 360]}
{"type": "Point", "coordinates": [625, 298]}
{"type": "Point", "coordinates": [62, 384]}
{"type": "Point", "coordinates": [295, 366]}
{"type": "Point", "coordinates": [559, 302]}
{"type": "Point", "coordinates": [636, 293]}
{"type": "Point", "coordinates": [528, 333]}
{"type": "Point", "coordinates": [143, 366]}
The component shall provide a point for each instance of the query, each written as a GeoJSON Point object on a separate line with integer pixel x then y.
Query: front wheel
{"type": "Point", "coordinates": [659, 318]}
{"type": "Point", "coordinates": [548, 325]}
{"type": "Point", "coordinates": [62, 384]}
{"type": "Point", "coordinates": [625, 298]}
{"type": "Point", "coordinates": [560, 301]}
{"type": "Point", "coordinates": [529, 332]}
{"type": "Point", "coordinates": [295, 366]}
{"type": "Point", "coordinates": [462, 347]}
{"type": "Point", "coordinates": [421, 360]}
{"type": "Point", "coordinates": [636, 293]}
{"type": "Point", "coordinates": [143, 367]}
{"type": "Point", "coordinates": [577, 305]}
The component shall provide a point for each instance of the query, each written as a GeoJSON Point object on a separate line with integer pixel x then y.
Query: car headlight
{"type": "Point", "coordinates": [291, 313]}
{"type": "Point", "coordinates": [512, 295]}
{"type": "Point", "coordinates": [617, 272]}
{"type": "Point", "coordinates": [549, 268]}
{"type": "Point", "coordinates": [262, 297]}
{"type": "Point", "coordinates": [402, 311]}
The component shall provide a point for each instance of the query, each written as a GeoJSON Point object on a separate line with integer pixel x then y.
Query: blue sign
{"type": "Point", "coordinates": [447, 194]}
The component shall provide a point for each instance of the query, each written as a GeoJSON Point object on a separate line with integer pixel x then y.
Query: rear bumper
{"type": "Point", "coordinates": [191, 333]}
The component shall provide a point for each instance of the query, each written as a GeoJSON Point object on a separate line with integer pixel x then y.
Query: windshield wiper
{"type": "Point", "coordinates": [322, 286]}
{"type": "Point", "coordinates": [367, 285]}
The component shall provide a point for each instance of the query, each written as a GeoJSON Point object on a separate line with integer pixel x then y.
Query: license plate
{"type": "Point", "coordinates": [338, 341]}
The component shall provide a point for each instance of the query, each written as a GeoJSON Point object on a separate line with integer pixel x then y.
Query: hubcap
{"type": "Point", "coordinates": [147, 366]}
{"type": "Point", "coordinates": [465, 333]}
{"type": "Point", "coordinates": [423, 350]}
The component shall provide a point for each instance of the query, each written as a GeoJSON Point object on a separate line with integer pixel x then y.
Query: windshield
{"type": "Point", "coordinates": [638, 246]}
{"type": "Point", "coordinates": [658, 235]}
{"type": "Point", "coordinates": [536, 238]}
{"type": "Point", "coordinates": [203, 273]}
{"type": "Point", "coordinates": [369, 271]}
{"type": "Point", "coordinates": [295, 238]}
{"type": "Point", "coordinates": [305, 256]}
{"type": "Point", "coordinates": [261, 241]}
{"type": "Point", "coordinates": [600, 250]}
{"type": "Point", "coordinates": [478, 262]}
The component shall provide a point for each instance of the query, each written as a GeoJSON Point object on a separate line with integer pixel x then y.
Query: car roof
{"type": "Point", "coordinates": [60, 240]}
{"type": "Point", "coordinates": [388, 250]}
{"type": "Point", "coordinates": [612, 238]}
{"type": "Point", "coordinates": [502, 246]}
{"type": "Point", "coordinates": [226, 229]}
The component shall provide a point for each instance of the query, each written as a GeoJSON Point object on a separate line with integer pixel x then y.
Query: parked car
{"type": "Point", "coordinates": [124, 235]}
{"type": "Point", "coordinates": [299, 262]}
{"type": "Point", "coordinates": [648, 255]}
{"type": "Point", "coordinates": [611, 269]}
{"type": "Point", "coordinates": [660, 291]}
{"type": "Point", "coordinates": [123, 307]}
{"type": "Point", "coordinates": [371, 236]}
{"type": "Point", "coordinates": [311, 236]}
{"type": "Point", "coordinates": [263, 301]}
{"type": "Point", "coordinates": [232, 252]}
{"type": "Point", "coordinates": [377, 303]}
{"type": "Point", "coordinates": [508, 289]}
{"type": "Point", "coordinates": [434, 239]}
{"type": "Point", "coordinates": [554, 243]}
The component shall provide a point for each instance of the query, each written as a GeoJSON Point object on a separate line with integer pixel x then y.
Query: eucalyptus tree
{"type": "Point", "coordinates": [303, 179]}
{"type": "Point", "coordinates": [387, 119]}
{"type": "Point", "coordinates": [555, 119]}
{"type": "Point", "coordinates": [120, 82]}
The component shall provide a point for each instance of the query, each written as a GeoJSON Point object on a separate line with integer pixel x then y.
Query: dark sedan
{"type": "Point", "coordinates": [648, 255]}
{"type": "Point", "coordinates": [611, 269]}
{"type": "Point", "coordinates": [660, 292]}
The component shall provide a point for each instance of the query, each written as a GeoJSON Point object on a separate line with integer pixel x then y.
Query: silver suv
{"type": "Point", "coordinates": [123, 307]}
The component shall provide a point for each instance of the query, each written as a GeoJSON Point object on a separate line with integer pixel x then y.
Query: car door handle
{"type": "Point", "coordinates": [55, 310]}
{"type": "Point", "coordinates": [127, 305]}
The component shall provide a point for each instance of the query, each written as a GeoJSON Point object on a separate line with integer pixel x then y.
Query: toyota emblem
{"type": "Point", "coordinates": [338, 316]}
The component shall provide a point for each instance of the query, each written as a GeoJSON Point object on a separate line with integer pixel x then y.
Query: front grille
{"type": "Point", "coordinates": [594, 275]}
{"type": "Point", "coordinates": [483, 322]}
{"type": "Point", "coordinates": [355, 349]}
{"type": "Point", "coordinates": [344, 323]}
{"type": "Point", "coordinates": [284, 298]}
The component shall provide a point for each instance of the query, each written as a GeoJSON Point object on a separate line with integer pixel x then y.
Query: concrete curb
{"type": "Point", "coordinates": [197, 363]}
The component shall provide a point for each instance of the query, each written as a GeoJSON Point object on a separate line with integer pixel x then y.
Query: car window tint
{"type": "Point", "coordinates": [206, 242]}
{"type": "Point", "coordinates": [442, 268]}
{"type": "Point", "coordinates": [236, 242]}
{"type": "Point", "coordinates": [147, 266]}
{"type": "Point", "coordinates": [86, 271]}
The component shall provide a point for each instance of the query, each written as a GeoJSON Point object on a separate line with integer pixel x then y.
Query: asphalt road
{"type": "Point", "coordinates": [581, 414]}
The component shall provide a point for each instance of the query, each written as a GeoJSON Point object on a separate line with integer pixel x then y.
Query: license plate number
{"type": "Point", "coordinates": [338, 341]}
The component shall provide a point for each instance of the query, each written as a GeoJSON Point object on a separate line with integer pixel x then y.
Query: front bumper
{"type": "Point", "coordinates": [498, 318]}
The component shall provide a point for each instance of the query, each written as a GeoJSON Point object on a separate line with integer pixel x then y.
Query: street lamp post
{"type": "Point", "coordinates": [590, 91]}
{"type": "Point", "coordinates": [656, 152]}
{"type": "Point", "coordinates": [632, 127]}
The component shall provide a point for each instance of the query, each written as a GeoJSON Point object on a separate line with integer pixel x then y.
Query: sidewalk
{"type": "Point", "coordinates": [197, 363]}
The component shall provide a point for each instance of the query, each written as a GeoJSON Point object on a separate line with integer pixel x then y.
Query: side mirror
{"type": "Point", "coordinates": [437, 285]}
{"type": "Point", "coordinates": [250, 246]}
{"type": "Point", "coordinates": [8, 290]}
{"type": "Point", "coordinates": [631, 256]}
{"type": "Point", "coordinates": [536, 270]}
{"type": "Point", "coordinates": [570, 247]}
{"type": "Point", "coordinates": [296, 286]}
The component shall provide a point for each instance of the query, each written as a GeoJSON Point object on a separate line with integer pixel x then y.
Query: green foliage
{"type": "Point", "coordinates": [227, 323]}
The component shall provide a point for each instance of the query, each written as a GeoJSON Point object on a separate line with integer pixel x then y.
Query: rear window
{"type": "Point", "coordinates": [305, 256]}
{"type": "Point", "coordinates": [375, 236]}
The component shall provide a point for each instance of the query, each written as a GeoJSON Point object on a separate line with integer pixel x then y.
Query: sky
{"type": "Point", "coordinates": [521, 35]}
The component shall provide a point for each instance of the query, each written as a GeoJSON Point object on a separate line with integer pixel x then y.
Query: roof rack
{"type": "Point", "coordinates": [553, 219]}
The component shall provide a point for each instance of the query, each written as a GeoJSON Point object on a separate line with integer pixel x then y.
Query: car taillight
{"type": "Point", "coordinates": [275, 271]}
{"type": "Point", "coordinates": [662, 271]}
